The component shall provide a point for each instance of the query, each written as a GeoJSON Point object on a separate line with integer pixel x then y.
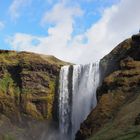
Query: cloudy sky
{"type": "Point", "coordinates": [79, 31]}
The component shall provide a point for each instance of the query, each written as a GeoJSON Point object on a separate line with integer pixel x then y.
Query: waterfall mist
{"type": "Point", "coordinates": [77, 96]}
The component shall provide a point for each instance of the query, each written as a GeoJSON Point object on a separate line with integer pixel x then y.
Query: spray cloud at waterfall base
{"type": "Point", "coordinates": [77, 96]}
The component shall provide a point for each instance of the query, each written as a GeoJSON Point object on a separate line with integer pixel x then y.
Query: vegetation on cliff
{"type": "Point", "coordinates": [117, 115]}
{"type": "Point", "coordinates": [27, 89]}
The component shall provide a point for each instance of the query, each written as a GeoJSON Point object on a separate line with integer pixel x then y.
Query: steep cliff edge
{"type": "Point", "coordinates": [128, 48]}
{"type": "Point", "coordinates": [27, 90]}
{"type": "Point", "coordinates": [117, 115]}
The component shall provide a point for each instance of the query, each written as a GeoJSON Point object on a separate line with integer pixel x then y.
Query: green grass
{"type": "Point", "coordinates": [8, 137]}
{"type": "Point", "coordinates": [7, 86]}
{"type": "Point", "coordinates": [8, 58]}
{"type": "Point", "coordinates": [5, 83]}
{"type": "Point", "coordinates": [109, 132]}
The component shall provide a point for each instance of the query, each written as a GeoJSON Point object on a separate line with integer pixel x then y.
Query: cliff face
{"type": "Point", "coordinates": [128, 48]}
{"type": "Point", "coordinates": [27, 89]}
{"type": "Point", "coordinates": [117, 115]}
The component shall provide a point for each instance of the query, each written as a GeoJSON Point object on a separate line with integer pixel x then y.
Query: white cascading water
{"type": "Point", "coordinates": [85, 80]}
{"type": "Point", "coordinates": [64, 106]}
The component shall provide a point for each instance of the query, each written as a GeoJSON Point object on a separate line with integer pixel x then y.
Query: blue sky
{"type": "Point", "coordinates": [77, 31]}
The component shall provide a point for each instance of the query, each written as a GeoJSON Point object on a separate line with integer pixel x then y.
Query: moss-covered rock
{"type": "Point", "coordinates": [27, 88]}
{"type": "Point", "coordinates": [128, 48]}
{"type": "Point", "coordinates": [116, 116]}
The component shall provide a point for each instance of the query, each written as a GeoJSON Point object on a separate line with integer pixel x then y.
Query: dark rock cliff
{"type": "Point", "coordinates": [117, 115]}
{"type": "Point", "coordinates": [128, 48]}
{"type": "Point", "coordinates": [27, 92]}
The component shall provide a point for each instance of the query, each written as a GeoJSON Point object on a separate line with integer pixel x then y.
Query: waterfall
{"type": "Point", "coordinates": [76, 101]}
{"type": "Point", "coordinates": [64, 104]}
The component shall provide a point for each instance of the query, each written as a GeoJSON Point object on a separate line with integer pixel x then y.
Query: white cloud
{"type": "Point", "coordinates": [1, 25]}
{"type": "Point", "coordinates": [116, 24]}
{"type": "Point", "coordinates": [16, 6]}
{"type": "Point", "coordinates": [62, 17]}
{"type": "Point", "coordinates": [60, 14]}
{"type": "Point", "coordinates": [22, 41]}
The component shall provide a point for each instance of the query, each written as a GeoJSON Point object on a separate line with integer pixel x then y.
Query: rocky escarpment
{"type": "Point", "coordinates": [128, 48]}
{"type": "Point", "coordinates": [27, 90]}
{"type": "Point", "coordinates": [117, 115]}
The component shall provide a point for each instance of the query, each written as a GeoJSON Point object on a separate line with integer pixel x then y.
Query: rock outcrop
{"type": "Point", "coordinates": [128, 48]}
{"type": "Point", "coordinates": [27, 90]}
{"type": "Point", "coordinates": [117, 115]}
